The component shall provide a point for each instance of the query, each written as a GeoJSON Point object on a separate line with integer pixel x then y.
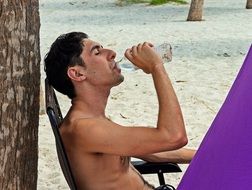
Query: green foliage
{"type": "Point", "coordinates": [151, 2]}
{"type": "Point", "coordinates": [125, 2]}
{"type": "Point", "coordinates": [160, 2]}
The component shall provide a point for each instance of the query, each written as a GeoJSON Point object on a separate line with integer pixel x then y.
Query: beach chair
{"type": "Point", "coordinates": [55, 116]}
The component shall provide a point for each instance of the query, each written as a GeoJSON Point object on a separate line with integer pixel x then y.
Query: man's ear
{"type": "Point", "coordinates": [75, 73]}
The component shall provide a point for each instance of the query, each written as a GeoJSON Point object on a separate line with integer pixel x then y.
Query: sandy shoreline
{"type": "Point", "coordinates": [206, 59]}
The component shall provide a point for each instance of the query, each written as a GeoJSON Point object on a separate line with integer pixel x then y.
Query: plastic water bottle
{"type": "Point", "coordinates": [164, 50]}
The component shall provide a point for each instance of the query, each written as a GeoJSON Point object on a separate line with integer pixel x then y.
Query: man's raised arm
{"type": "Point", "coordinates": [170, 120]}
{"type": "Point", "coordinates": [101, 135]}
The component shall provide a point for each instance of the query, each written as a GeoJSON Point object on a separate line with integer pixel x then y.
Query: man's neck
{"type": "Point", "coordinates": [92, 102]}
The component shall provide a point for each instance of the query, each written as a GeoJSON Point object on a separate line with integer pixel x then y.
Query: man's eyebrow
{"type": "Point", "coordinates": [95, 47]}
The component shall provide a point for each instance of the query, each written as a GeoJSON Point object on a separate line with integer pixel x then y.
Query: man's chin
{"type": "Point", "coordinates": [120, 80]}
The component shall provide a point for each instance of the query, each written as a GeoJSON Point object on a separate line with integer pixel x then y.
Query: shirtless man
{"type": "Point", "coordinates": [98, 149]}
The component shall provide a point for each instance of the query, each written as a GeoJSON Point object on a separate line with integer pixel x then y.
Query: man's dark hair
{"type": "Point", "coordinates": [64, 53]}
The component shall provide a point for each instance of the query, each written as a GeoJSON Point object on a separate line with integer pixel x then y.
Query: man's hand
{"type": "Point", "coordinates": [144, 57]}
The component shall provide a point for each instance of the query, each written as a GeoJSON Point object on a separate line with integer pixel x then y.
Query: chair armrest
{"type": "Point", "coordinates": [157, 167]}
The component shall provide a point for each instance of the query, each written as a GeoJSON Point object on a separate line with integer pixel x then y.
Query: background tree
{"type": "Point", "coordinates": [249, 4]}
{"type": "Point", "coordinates": [19, 93]}
{"type": "Point", "coordinates": [196, 10]}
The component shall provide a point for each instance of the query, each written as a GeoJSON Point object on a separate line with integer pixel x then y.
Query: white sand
{"type": "Point", "coordinates": [206, 58]}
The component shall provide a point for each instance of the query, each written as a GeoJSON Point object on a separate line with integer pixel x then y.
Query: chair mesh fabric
{"type": "Point", "coordinates": [55, 117]}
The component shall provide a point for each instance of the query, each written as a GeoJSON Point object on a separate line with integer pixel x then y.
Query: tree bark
{"type": "Point", "coordinates": [196, 10]}
{"type": "Point", "coordinates": [19, 93]}
{"type": "Point", "coordinates": [249, 4]}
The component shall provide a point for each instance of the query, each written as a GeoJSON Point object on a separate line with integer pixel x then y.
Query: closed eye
{"type": "Point", "coordinates": [97, 52]}
{"type": "Point", "coordinates": [96, 49]}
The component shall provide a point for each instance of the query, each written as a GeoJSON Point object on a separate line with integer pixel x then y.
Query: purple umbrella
{"type": "Point", "coordinates": [224, 158]}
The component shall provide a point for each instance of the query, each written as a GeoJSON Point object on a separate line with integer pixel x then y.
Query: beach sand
{"type": "Point", "coordinates": [207, 56]}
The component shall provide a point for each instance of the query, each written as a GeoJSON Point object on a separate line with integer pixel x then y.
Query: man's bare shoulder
{"type": "Point", "coordinates": [83, 124]}
{"type": "Point", "coordinates": [87, 129]}
{"type": "Point", "coordinates": [72, 125]}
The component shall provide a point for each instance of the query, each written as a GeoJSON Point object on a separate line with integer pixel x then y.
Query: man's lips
{"type": "Point", "coordinates": [116, 67]}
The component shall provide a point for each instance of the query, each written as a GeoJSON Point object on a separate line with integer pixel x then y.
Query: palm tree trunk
{"type": "Point", "coordinates": [249, 4]}
{"type": "Point", "coordinates": [19, 93]}
{"type": "Point", "coordinates": [196, 10]}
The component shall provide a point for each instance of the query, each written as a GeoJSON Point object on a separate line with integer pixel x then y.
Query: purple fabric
{"type": "Point", "coordinates": [224, 158]}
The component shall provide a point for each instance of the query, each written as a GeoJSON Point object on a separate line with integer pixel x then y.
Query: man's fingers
{"type": "Point", "coordinates": [139, 47]}
{"type": "Point", "coordinates": [134, 50]}
{"type": "Point", "coordinates": [148, 44]}
{"type": "Point", "coordinates": [128, 53]}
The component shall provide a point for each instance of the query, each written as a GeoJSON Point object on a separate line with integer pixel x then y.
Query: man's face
{"type": "Point", "coordinates": [101, 68]}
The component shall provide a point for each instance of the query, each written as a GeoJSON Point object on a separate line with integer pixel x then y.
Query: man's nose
{"type": "Point", "coordinates": [111, 54]}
